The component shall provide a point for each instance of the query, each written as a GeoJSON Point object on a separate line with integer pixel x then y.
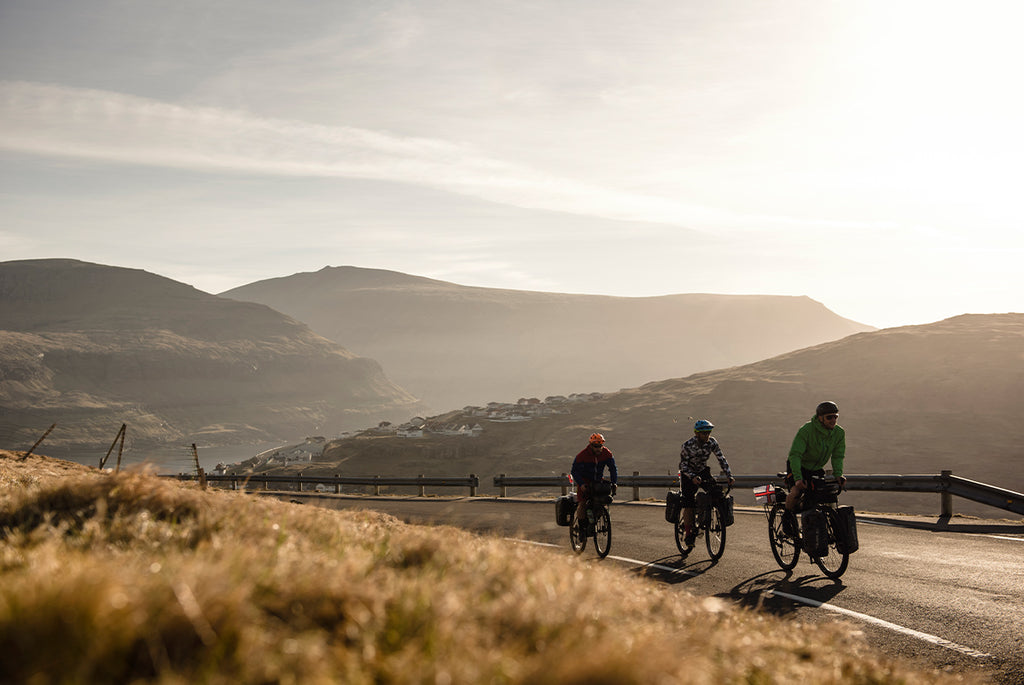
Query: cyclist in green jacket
{"type": "Point", "coordinates": [819, 440]}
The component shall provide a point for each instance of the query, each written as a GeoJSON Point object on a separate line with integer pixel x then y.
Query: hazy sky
{"type": "Point", "coordinates": [864, 153]}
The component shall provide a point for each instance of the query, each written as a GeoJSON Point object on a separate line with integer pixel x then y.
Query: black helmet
{"type": "Point", "coordinates": [827, 408]}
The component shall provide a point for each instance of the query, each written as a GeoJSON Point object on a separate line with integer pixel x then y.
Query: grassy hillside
{"type": "Point", "coordinates": [127, 578]}
{"type": "Point", "coordinates": [453, 345]}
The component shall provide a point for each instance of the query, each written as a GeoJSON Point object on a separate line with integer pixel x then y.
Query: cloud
{"type": "Point", "coordinates": [112, 127]}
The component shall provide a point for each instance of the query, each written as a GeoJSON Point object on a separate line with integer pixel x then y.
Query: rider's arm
{"type": "Point", "coordinates": [839, 453]}
{"type": "Point", "coordinates": [796, 453]}
{"type": "Point", "coordinates": [613, 472]}
{"type": "Point", "coordinates": [717, 449]}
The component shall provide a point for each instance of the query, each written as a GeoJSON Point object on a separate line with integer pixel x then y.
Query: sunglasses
{"type": "Point", "coordinates": [831, 417]}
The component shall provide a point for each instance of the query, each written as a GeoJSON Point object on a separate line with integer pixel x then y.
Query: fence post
{"type": "Point", "coordinates": [636, 486]}
{"type": "Point", "coordinates": [565, 486]}
{"type": "Point", "coordinates": [472, 484]}
{"type": "Point", "coordinates": [946, 498]}
{"type": "Point", "coordinates": [504, 488]}
{"type": "Point", "coordinates": [337, 485]}
{"type": "Point", "coordinates": [422, 493]}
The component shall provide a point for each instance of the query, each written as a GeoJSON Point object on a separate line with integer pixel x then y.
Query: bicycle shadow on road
{"type": "Point", "coordinates": [674, 569]}
{"type": "Point", "coordinates": [760, 591]}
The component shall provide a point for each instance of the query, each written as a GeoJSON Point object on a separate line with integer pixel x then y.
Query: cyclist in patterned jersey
{"type": "Point", "coordinates": [693, 469]}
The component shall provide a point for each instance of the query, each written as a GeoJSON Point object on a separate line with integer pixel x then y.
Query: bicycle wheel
{"type": "Point", "coordinates": [785, 543]}
{"type": "Point", "coordinates": [833, 563]}
{"type": "Point", "coordinates": [714, 535]}
{"type": "Point", "coordinates": [577, 535]}
{"type": "Point", "coordinates": [680, 534]}
{"type": "Point", "coordinates": [603, 532]}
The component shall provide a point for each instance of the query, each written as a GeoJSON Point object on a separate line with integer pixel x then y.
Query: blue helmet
{"type": "Point", "coordinates": [703, 426]}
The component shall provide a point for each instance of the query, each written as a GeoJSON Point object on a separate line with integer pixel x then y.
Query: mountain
{"type": "Point", "coordinates": [90, 347]}
{"type": "Point", "coordinates": [913, 400]}
{"type": "Point", "coordinates": [453, 345]}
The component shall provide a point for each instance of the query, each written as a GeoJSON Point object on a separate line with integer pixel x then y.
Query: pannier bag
{"type": "Point", "coordinates": [814, 532]}
{"type": "Point", "coordinates": [602, 492]}
{"type": "Point", "coordinates": [564, 508]}
{"type": "Point", "coordinates": [673, 505]}
{"type": "Point", "coordinates": [847, 542]}
{"type": "Point", "coordinates": [728, 516]}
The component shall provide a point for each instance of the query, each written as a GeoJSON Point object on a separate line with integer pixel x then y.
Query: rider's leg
{"type": "Point", "coordinates": [689, 533]}
{"type": "Point", "coordinates": [794, 495]}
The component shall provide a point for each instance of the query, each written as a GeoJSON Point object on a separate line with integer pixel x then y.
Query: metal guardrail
{"type": "Point", "coordinates": [945, 484]}
{"type": "Point", "coordinates": [377, 482]}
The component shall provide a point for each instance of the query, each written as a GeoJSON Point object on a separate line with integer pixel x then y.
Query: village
{"type": "Point", "coordinates": [468, 424]}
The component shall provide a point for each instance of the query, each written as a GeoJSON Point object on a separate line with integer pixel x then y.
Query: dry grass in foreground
{"type": "Point", "coordinates": [128, 578]}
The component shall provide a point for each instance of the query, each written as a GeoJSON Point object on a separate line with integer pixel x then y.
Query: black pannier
{"type": "Point", "coordinates": [673, 505]}
{"type": "Point", "coordinates": [814, 532]}
{"type": "Point", "coordinates": [847, 533]}
{"type": "Point", "coordinates": [601, 492]}
{"type": "Point", "coordinates": [728, 515]}
{"type": "Point", "coordinates": [564, 508]}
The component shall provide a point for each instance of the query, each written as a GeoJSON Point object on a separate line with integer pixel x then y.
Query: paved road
{"type": "Point", "coordinates": [947, 598]}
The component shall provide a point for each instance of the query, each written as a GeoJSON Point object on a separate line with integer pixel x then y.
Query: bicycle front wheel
{"type": "Point", "coordinates": [714, 536]}
{"type": "Point", "coordinates": [833, 563]}
{"type": "Point", "coordinates": [577, 535]}
{"type": "Point", "coordinates": [783, 537]}
{"type": "Point", "coordinates": [603, 533]}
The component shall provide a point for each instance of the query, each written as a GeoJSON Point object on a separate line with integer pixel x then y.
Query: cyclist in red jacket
{"type": "Point", "coordinates": [588, 468]}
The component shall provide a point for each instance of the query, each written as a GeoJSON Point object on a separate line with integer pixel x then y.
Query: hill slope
{"type": "Point", "coordinates": [453, 345]}
{"type": "Point", "coordinates": [90, 347]}
{"type": "Point", "coordinates": [915, 399]}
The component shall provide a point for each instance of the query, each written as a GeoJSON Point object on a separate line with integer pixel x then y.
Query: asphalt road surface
{"type": "Point", "coordinates": [946, 595]}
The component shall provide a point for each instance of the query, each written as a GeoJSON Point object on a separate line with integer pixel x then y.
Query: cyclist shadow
{"type": "Point", "coordinates": [674, 569]}
{"type": "Point", "coordinates": [767, 591]}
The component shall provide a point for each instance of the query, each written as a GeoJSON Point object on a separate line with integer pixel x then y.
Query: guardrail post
{"type": "Point", "coordinates": [946, 498]}
{"type": "Point", "coordinates": [422, 489]}
{"type": "Point", "coordinates": [504, 488]}
{"type": "Point", "coordinates": [636, 486]}
{"type": "Point", "coordinates": [234, 484]}
{"type": "Point", "coordinates": [337, 484]}
{"type": "Point", "coordinates": [298, 481]}
{"type": "Point", "coordinates": [473, 480]}
{"type": "Point", "coordinates": [376, 485]}
{"type": "Point", "coordinates": [565, 486]}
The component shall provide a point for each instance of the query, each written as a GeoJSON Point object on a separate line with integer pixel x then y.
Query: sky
{"type": "Point", "coordinates": [865, 154]}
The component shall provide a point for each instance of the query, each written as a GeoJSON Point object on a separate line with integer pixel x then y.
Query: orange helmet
{"type": "Point", "coordinates": [596, 439]}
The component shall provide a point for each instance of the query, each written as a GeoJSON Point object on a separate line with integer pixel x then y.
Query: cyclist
{"type": "Point", "coordinates": [819, 440]}
{"type": "Point", "coordinates": [588, 468]}
{"type": "Point", "coordinates": [694, 469]}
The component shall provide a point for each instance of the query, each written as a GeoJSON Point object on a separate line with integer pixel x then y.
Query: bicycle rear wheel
{"type": "Point", "coordinates": [577, 535]}
{"type": "Point", "coordinates": [833, 564]}
{"type": "Point", "coordinates": [783, 537]}
{"type": "Point", "coordinates": [714, 536]}
{"type": "Point", "coordinates": [602, 532]}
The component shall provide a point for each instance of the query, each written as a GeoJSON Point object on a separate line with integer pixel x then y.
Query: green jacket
{"type": "Point", "coordinates": [814, 445]}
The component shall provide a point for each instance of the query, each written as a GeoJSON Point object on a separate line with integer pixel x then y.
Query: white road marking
{"type": "Point", "coordinates": [867, 618]}
{"type": "Point", "coordinates": [935, 640]}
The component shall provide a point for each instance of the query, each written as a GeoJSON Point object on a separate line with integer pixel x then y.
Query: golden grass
{"type": "Point", "coordinates": [129, 578]}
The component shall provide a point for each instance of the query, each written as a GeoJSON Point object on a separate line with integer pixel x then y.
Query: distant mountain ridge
{"type": "Point", "coordinates": [90, 346]}
{"type": "Point", "coordinates": [453, 345]}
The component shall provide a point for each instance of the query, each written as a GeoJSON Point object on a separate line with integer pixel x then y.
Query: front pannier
{"type": "Point", "coordinates": [728, 515]}
{"type": "Point", "coordinates": [847, 534]}
{"type": "Point", "coordinates": [564, 508]}
{"type": "Point", "coordinates": [814, 532]}
{"type": "Point", "coordinates": [673, 505]}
